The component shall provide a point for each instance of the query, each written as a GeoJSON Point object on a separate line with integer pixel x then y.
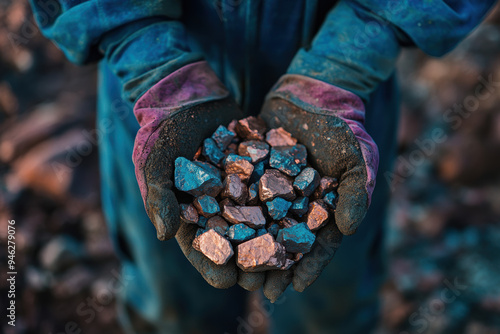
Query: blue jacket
{"type": "Point", "coordinates": [250, 44]}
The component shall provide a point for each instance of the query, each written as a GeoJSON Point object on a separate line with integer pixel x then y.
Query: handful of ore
{"type": "Point", "coordinates": [254, 195]}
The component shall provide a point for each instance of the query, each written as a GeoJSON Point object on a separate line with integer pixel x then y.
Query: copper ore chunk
{"type": "Point", "coordinates": [289, 159]}
{"type": "Point", "coordinates": [198, 153]}
{"type": "Point", "coordinates": [296, 239]}
{"type": "Point", "coordinates": [280, 137]}
{"type": "Point", "coordinates": [225, 202]}
{"type": "Point", "coordinates": [188, 213]}
{"type": "Point", "coordinates": [231, 149]}
{"type": "Point", "coordinates": [240, 166]}
{"type": "Point", "coordinates": [278, 208]}
{"type": "Point", "coordinates": [261, 254]}
{"type": "Point", "coordinates": [306, 182]}
{"type": "Point", "coordinates": [251, 128]}
{"type": "Point", "coordinates": [222, 137]}
{"type": "Point", "coordinates": [300, 206]}
{"type": "Point", "coordinates": [287, 222]}
{"type": "Point", "coordinates": [196, 179]}
{"type": "Point", "coordinates": [240, 233]}
{"type": "Point", "coordinates": [206, 205]}
{"type": "Point", "coordinates": [317, 215]}
{"type": "Point", "coordinates": [261, 231]}
{"type": "Point", "coordinates": [202, 222]}
{"type": "Point", "coordinates": [209, 167]}
{"type": "Point", "coordinates": [275, 184]}
{"type": "Point", "coordinates": [218, 224]}
{"type": "Point", "coordinates": [331, 199]}
{"type": "Point", "coordinates": [234, 189]}
{"type": "Point", "coordinates": [232, 126]}
{"type": "Point", "coordinates": [253, 194]}
{"type": "Point", "coordinates": [249, 215]}
{"type": "Point", "coordinates": [212, 152]}
{"type": "Point", "coordinates": [214, 246]}
{"type": "Point", "coordinates": [273, 229]}
{"type": "Point", "coordinates": [256, 150]}
{"type": "Point", "coordinates": [326, 184]}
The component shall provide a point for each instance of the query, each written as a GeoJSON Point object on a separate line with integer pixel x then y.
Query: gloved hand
{"type": "Point", "coordinates": [329, 122]}
{"type": "Point", "coordinates": [176, 115]}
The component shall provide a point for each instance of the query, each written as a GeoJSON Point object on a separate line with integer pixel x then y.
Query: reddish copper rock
{"type": "Point", "coordinates": [256, 150]}
{"type": "Point", "coordinates": [225, 202]}
{"type": "Point", "coordinates": [188, 213]}
{"type": "Point", "coordinates": [218, 224]}
{"type": "Point", "coordinates": [275, 184]}
{"type": "Point", "coordinates": [326, 184]}
{"type": "Point", "coordinates": [251, 128]}
{"type": "Point", "coordinates": [234, 189]}
{"type": "Point", "coordinates": [214, 246]}
{"type": "Point", "coordinates": [317, 215]}
{"type": "Point", "coordinates": [287, 222]}
{"type": "Point", "coordinates": [231, 149]}
{"type": "Point", "coordinates": [232, 126]}
{"type": "Point", "coordinates": [261, 254]}
{"type": "Point", "coordinates": [249, 215]}
{"type": "Point", "coordinates": [280, 137]}
{"type": "Point", "coordinates": [239, 166]}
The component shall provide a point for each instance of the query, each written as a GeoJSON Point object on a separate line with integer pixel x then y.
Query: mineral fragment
{"type": "Point", "coordinates": [317, 215]}
{"type": "Point", "coordinates": [273, 184]}
{"type": "Point", "coordinates": [232, 126]}
{"type": "Point", "coordinates": [306, 182]}
{"type": "Point", "coordinates": [225, 202]}
{"type": "Point", "coordinates": [300, 206]}
{"type": "Point", "coordinates": [249, 215]}
{"type": "Point", "coordinates": [273, 229]}
{"type": "Point", "coordinates": [288, 159]}
{"type": "Point", "coordinates": [326, 184]}
{"type": "Point", "coordinates": [241, 166]}
{"type": "Point", "coordinates": [188, 213]}
{"type": "Point", "coordinates": [240, 233]}
{"type": "Point", "coordinates": [278, 208]}
{"type": "Point", "coordinates": [297, 238]}
{"type": "Point", "coordinates": [218, 224]}
{"type": "Point", "coordinates": [214, 246]}
{"type": "Point", "coordinates": [195, 179]}
{"type": "Point", "coordinates": [222, 137]}
{"type": "Point", "coordinates": [287, 222]}
{"type": "Point", "coordinates": [251, 128]}
{"type": "Point", "coordinates": [234, 189]}
{"type": "Point", "coordinates": [256, 150]}
{"type": "Point", "coordinates": [331, 199]}
{"type": "Point", "coordinates": [280, 137]}
{"type": "Point", "coordinates": [261, 254]}
{"type": "Point", "coordinates": [202, 222]}
{"type": "Point", "coordinates": [206, 205]}
{"type": "Point", "coordinates": [261, 231]}
{"type": "Point", "coordinates": [253, 194]}
{"type": "Point", "coordinates": [212, 152]}
{"type": "Point", "coordinates": [258, 171]}
{"type": "Point", "coordinates": [208, 166]}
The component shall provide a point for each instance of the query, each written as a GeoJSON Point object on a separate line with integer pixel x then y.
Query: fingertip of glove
{"type": "Point", "coordinates": [251, 281]}
{"type": "Point", "coordinates": [276, 284]}
{"type": "Point", "coordinates": [350, 213]}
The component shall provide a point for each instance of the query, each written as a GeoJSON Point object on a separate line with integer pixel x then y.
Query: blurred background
{"type": "Point", "coordinates": [444, 232]}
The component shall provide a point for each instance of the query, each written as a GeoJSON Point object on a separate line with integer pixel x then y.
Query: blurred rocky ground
{"type": "Point", "coordinates": [444, 232]}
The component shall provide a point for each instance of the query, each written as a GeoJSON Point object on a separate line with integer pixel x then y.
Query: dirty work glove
{"type": "Point", "coordinates": [329, 121]}
{"type": "Point", "coordinates": [176, 115]}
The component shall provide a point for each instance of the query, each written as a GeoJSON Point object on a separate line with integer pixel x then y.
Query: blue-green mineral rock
{"type": "Point", "coordinates": [296, 239]}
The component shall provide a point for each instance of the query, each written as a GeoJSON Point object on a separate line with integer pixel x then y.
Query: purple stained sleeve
{"type": "Point", "coordinates": [320, 97]}
{"type": "Point", "coordinates": [188, 86]}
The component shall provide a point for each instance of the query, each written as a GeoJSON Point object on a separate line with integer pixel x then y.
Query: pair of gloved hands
{"type": "Point", "coordinates": [178, 113]}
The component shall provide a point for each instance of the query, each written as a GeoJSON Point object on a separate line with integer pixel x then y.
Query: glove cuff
{"type": "Point", "coordinates": [190, 85]}
{"type": "Point", "coordinates": [319, 97]}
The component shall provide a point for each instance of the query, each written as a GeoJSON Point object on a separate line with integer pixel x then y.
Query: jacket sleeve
{"type": "Point", "coordinates": [143, 41]}
{"type": "Point", "coordinates": [358, 44]}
